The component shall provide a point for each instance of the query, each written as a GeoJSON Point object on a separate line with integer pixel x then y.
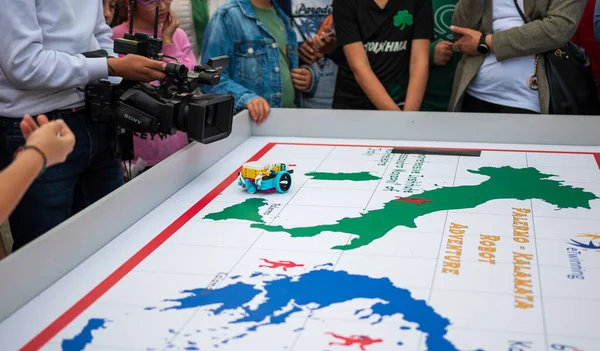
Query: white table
{"type": "Point", "coordinates": [118, 260]}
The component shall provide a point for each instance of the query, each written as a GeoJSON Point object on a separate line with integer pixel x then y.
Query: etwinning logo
{"type": "Point", "coordinates": [592, 244]}
{"type": "Point", "coordinates": [403, 19]}
{"type": "Point", "coordinates": [576, 251]}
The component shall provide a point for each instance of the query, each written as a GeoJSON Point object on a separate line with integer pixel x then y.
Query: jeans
{"type": "Point", "coordinates": [89, 173]}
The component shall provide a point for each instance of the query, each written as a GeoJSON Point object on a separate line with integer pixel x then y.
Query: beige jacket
{"type": "Point", "coordinates": [551, 24]}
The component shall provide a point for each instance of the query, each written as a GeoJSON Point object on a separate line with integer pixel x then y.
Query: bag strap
{"type": "Point", "coordinates": [520, 11]}
{"type": "Point", "coordinates": [532, 82]}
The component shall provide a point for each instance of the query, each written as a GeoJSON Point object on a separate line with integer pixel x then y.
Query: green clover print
{"type": "Point", "coordinates": [402, 19]}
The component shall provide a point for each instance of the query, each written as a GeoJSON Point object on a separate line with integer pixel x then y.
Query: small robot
{"type": "Point", "coordinates": [265, 177]}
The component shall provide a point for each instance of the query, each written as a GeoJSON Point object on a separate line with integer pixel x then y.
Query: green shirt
{"type": "Point", "coordinates": [275, 26]}
{"type": "Point", "coordinates": [439, 84]}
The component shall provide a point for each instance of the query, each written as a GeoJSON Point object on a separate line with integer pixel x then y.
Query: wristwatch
{"type": "Point", "coordinates": [483, 48]}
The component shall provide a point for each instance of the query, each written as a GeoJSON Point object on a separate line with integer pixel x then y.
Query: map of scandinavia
{"type": "Point", "coordinates": [261, 300]}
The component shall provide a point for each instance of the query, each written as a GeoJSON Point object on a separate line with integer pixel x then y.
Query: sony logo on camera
{"type": "Point", "coordinates": [132, 119]}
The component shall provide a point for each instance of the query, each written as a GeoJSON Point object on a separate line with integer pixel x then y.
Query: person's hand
{"type": "Point", "coordinates": [28, 125]}
{"type": "Point", "coordinates": [469, 40]}
{"type": "Point", "coordinates": [328, 44]}
{"type": "Point", "coordinates": [302, 78]}
{"type": "Point", "coordinates": [259, 110]}
{"type": "Point", "coordinates": [169, 27]}
{"type": "Point", "coordinates": [443, 53]}
{"type": "Point", "coordinates": [307, 53]}
{"type": "Point", "coordinates": [324, 46]}
{"type": "Point", "coordinates": [137, 68]}
{"type": "Point", "coordinates": [54, 138]}
{"type": "Point", "coordinates": [315, 47]}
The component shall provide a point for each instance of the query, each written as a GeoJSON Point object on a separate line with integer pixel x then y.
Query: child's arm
{"type": "Point", "coordinates": [49, 144]}
{"type": "Point", "coordinates": [16, 179]}
{"type": "Point", "coordinates": [423, 35]}
{"type": "Point", "coordinates": [419, 73]}
{"type": "Point", "coordinates": [366, 78]}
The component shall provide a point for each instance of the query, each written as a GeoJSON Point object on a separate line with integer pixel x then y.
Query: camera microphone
{"type": "Point", "coordinates": [177, 70]}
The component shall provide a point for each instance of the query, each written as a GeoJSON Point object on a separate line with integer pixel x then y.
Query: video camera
{"type": "Point", "coordinates": [135, 107]}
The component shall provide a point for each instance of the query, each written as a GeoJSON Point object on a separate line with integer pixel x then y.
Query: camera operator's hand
{"type": "Point", "coordinates": [302, 78]}
{"type": "Point", "coordinates": [171, 24]}
{"type": "Point", "coordinates": [137, 68]}
{"type": "Point", "coordinates": [259, 110]}
{"type": "Point", "coordinates": [54, 138]}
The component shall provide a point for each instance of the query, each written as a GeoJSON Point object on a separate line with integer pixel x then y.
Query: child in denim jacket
{"type": "Point", "coordinates": [263, 70]}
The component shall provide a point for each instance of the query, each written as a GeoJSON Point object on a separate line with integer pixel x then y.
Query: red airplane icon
{"type": "Point", "coordinates": [361, 340]}
{"type": "Point", "coordinates": [415, 200]}
{"type": "Point", "coordinates": [284, 264]}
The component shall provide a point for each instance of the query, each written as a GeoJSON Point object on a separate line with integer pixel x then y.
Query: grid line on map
{"type": "Point", "coordinates": [299, 334]}
{"type": "Point", "coordinates": [363, 209]}
{"type": "Point", "coordinates": [349, 237]}
{"type": "Point", "coordinates": [420, 344]}
{"type": "Point", "coordinates": [250, 248]}
{"type": "Point", "coordinates": [467, 260]}
{"type": "Point", "coordinates": [374, 191]}
{"type": "Point", "coordinates": [539, 272]}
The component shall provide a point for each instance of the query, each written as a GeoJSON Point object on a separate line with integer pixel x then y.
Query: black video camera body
{"type": "Point", "coordinates": [136, 107]}
{"type": "Point", "coordinates": [168, 108]}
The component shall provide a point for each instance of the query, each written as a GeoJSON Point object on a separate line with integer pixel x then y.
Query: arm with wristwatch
{"type": "Point", "coordinates": [472, 42]}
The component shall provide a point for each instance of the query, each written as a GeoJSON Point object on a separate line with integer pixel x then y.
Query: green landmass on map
{"type": "Point", "coordinates": [353, 176]}
{"type": "Point", "coordinates": [247, 210]}
{"type": "Point", "coordinates": [503, 183]}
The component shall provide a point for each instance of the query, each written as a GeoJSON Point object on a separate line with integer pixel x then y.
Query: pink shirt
{"type": "Point", "coordinates": [154, 149]}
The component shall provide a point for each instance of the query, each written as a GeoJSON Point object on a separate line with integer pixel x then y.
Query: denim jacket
{"type": "Point", "coordinates": [253, 70]}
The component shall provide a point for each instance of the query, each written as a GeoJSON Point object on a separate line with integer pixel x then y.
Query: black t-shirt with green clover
{"type": "Point", "coordinates": [387, 35]}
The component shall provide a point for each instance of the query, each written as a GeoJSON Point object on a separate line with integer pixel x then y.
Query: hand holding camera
{"type": "Point", "coordinates": [137, 68]}
{"type": "Point", "coordinates": [135, 106]}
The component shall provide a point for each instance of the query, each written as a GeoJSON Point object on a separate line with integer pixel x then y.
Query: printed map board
{"type": "Point", "coordinates": [368, 250]}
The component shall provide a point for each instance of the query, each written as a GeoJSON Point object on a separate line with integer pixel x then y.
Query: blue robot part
{"type": "Point", "coordinates": [280, 181]}
{"type": "Point", "coordinates": [250, 187]}
{"type": "Point", "coordinates": [283, 182]}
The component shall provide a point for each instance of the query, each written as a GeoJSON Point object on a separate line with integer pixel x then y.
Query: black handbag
{"type": "Point", "coordinates": [573, 88]}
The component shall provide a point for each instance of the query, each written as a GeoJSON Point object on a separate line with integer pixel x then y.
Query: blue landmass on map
{"type": "Point", "coordinates": [84, 338]}
{"type": "Point", "coordinates": [324, 288]}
